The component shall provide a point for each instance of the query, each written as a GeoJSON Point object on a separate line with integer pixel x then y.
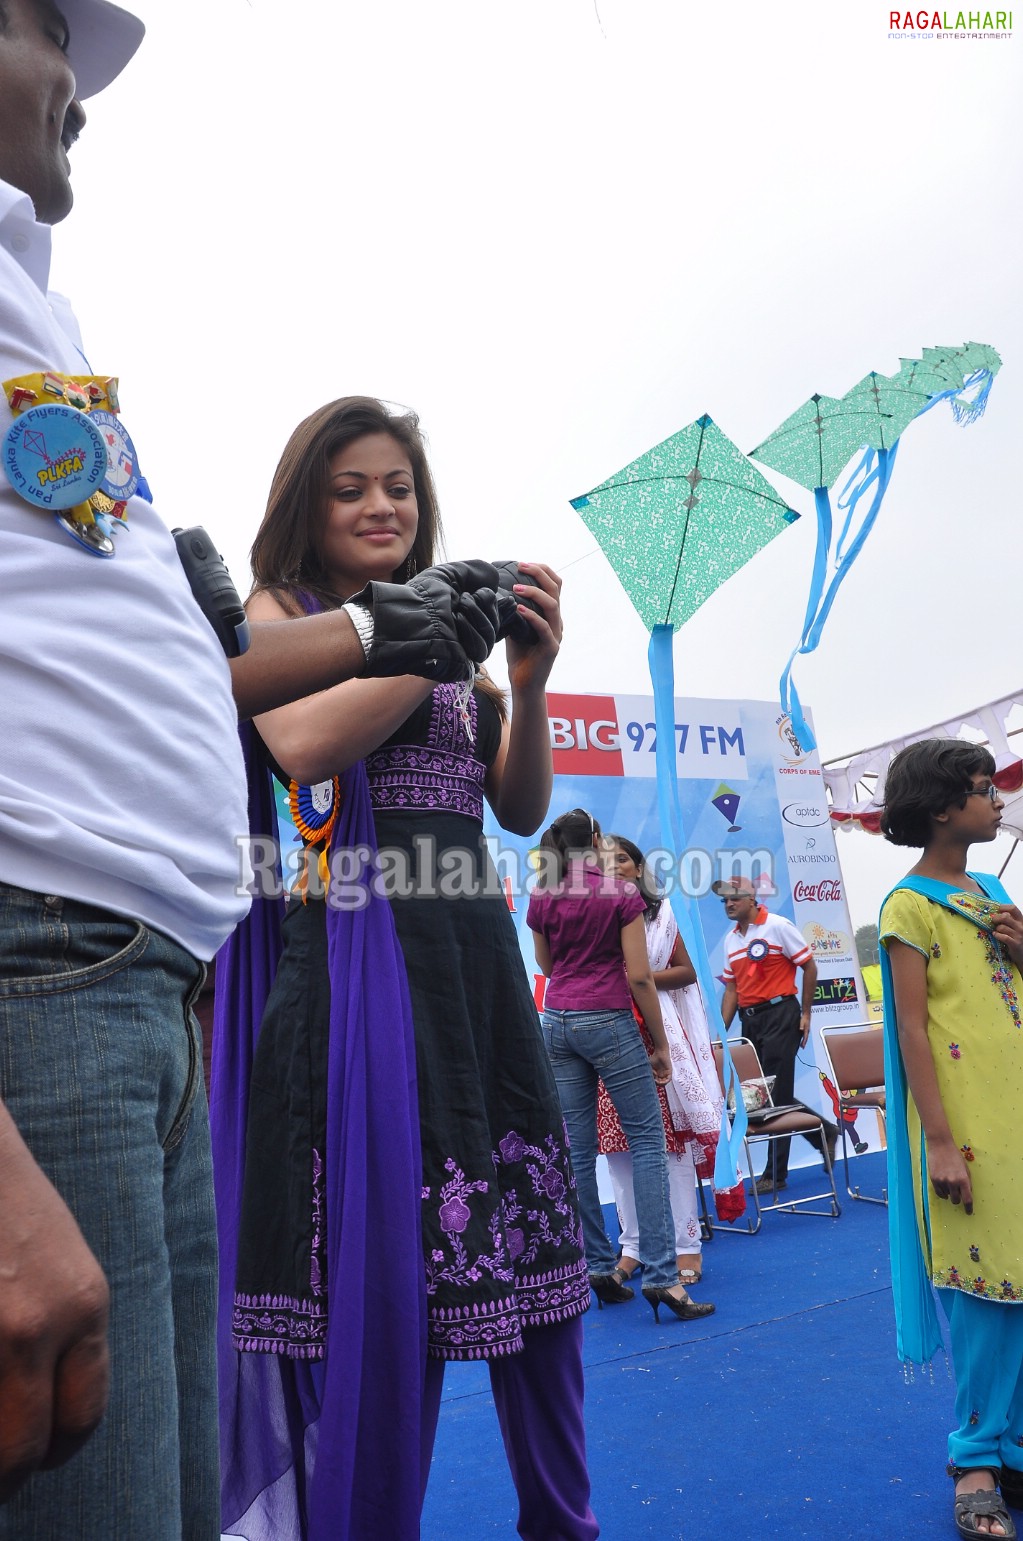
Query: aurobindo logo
{"type": "Point", "coordinates": [817, 893]}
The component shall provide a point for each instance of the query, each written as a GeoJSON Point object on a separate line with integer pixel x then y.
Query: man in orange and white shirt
{"type": "Point", "coordinates": [762, 954]}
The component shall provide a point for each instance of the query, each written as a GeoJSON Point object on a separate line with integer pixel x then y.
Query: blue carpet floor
{"type": "Point", "coordinates": [783, 1415]}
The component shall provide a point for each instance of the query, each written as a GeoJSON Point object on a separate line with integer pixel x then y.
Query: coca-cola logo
{"type": "Point", "coordinates": [817, 893]}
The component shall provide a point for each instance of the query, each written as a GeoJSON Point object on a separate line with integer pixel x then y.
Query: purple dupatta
{"type": "Point", "coordinates": [329, 1450]}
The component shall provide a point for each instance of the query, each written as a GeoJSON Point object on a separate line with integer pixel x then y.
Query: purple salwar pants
{"type": "Point", "coordinates": [539, 1399]}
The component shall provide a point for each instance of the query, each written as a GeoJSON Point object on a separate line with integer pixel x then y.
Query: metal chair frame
{"type": "Point", "coordinates": [854, 1056]}
{"type": "Point", "coordinates": [801, 1121]}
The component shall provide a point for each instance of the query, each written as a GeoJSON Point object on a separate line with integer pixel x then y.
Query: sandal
{"type": "Point", "coordinates": [690, 1267]}
{"type": "Point", "coordinates": [610, 1288]}
{"type": "Point", "coordinates": [984, 1503]}
{"type": "Point", "coordinates": [627, 1273]}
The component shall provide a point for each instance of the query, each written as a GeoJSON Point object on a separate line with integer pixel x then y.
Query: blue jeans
{"type": "Point", "coordinates": [101, 1069]}
{"type": "Point", "coordinates": [587, 1046]}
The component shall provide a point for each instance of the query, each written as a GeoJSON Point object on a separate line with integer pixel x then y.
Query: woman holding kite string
{"type": "Point", "coordinates": [953, 948]}
{"type": "Point", "coordinates": [361, 1133]}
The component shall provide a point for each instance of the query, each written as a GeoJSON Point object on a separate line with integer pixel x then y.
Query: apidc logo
{"type": "Point", "coordinates": [805, 815]}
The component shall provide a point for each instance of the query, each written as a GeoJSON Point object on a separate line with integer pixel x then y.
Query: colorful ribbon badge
{"type": "Point", "coordinates": [67, 452]}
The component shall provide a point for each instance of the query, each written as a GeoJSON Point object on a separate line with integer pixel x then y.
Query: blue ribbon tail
{"type": "Point", "coordinates": [684, 906]}
{"type": "Point", "coordinates": [800, 727]}
{"type": "Point", "coordinates": [885, 465]}
{"type": "Point", "coordinates": [864, 473]}
{"type": "Point", "coordinates": [788, 695]}
{"type": "Point", "coordinates": [967, 412]}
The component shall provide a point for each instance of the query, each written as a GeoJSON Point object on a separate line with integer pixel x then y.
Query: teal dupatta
{"type": "Point", "coordinates": [918, 1333]}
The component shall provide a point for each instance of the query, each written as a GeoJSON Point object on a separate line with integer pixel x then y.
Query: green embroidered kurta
{"type": "Point", "coordinates": [973, 1003]}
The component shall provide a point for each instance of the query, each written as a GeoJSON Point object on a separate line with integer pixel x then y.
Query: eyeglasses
{"type": "Point", "coordinates": [991, 792]}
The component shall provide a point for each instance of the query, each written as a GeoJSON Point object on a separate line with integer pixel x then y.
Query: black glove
{"type": "Point", "coordinates": [512, 623]}
{"type": "Point", "coordinates": [436, 624]}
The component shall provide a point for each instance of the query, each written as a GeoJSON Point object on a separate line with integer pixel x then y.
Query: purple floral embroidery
{"type": "Point", "coordinates": [279, 1324]}
{"type": "Point", "coordinates": [552, 1183]}
{"type": "Point", "coordinates": [955, 1051]}
{"type": "Point", "coordinates": [454, 1215]}
{"type": "Point", "coordinates": [506, 1248]}
{"type": "Point", "coordinates": [316, 1249]}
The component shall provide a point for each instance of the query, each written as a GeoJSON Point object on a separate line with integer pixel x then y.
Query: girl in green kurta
{"type": "Point", "coordinates": [954, 1049]}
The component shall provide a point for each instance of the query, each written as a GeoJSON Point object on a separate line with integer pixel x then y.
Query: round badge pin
{"type": "Point", "coordinates": [53, 457]}
{"type": "Point", "coordinates": [122, 476]}
{"type": "Point", "coordinates": [757, 950]}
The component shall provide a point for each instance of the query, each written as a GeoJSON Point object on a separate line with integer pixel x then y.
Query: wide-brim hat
{"type": "Point", "coordinates": [103, 38]}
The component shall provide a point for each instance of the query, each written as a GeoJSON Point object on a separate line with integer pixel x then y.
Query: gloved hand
{"type": "Point", "coordinates": [512, 623]}
{"type": "Point", "coordinates": [437, 624]}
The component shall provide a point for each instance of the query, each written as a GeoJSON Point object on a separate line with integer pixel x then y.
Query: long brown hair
{"type": "Point", "coordinates": [287, 553]}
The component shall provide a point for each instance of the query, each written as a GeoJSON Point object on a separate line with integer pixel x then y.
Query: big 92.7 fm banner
{"type": "Point", "coordinates": [753, 804]}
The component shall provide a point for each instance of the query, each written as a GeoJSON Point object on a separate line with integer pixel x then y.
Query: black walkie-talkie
{"type": "Point", "coordinates": [214, 591]}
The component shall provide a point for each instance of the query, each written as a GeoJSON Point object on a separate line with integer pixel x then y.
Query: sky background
{"type": "Point", "coordinates": [561, 231]}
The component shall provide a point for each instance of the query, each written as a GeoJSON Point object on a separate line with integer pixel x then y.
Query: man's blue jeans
{"type": "Point", "coordinates": [101, 1069]}
{"type": "Point", "coordinates": [587, 1046]}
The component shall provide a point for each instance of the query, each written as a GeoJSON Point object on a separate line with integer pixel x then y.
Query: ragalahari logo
{"type": "Point", "coordinates": [987, 25]}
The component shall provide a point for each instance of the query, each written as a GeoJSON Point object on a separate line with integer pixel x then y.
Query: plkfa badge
{"type": "Point", "coordinates": [68, 453]}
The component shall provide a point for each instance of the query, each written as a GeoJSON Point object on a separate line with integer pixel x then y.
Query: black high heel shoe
{"type": "Point", "coordinates": [679, 1305]}
{"type": "Point", "coordinates": [610, 1288]}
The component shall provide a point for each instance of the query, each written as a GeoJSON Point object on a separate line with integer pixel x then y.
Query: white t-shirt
{"type": "Point", "coordinates": [121, 778]}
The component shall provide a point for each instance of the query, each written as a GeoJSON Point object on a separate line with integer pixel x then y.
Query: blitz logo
{"type": "Point", "coordinates": [834, 992]}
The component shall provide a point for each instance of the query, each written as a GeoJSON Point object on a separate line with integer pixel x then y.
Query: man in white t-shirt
{"type": "Point", "coordinates": [121, 794]}
{"type": "Point", "coordinates": [763, 953]}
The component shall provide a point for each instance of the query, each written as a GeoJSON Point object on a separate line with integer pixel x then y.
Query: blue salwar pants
{"type": "Point", "coordinates": [987, 1355]}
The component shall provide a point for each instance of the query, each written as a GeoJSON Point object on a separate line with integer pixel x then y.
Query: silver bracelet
{"type": "Point", "coordinates": [361, 618]}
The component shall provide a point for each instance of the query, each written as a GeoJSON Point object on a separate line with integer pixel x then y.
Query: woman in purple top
{"type": "Point", "coordinates": [590, 941]}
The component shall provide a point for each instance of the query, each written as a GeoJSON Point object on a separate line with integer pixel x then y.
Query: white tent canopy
{"type": "Point", "coordinates": [856, 782]}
